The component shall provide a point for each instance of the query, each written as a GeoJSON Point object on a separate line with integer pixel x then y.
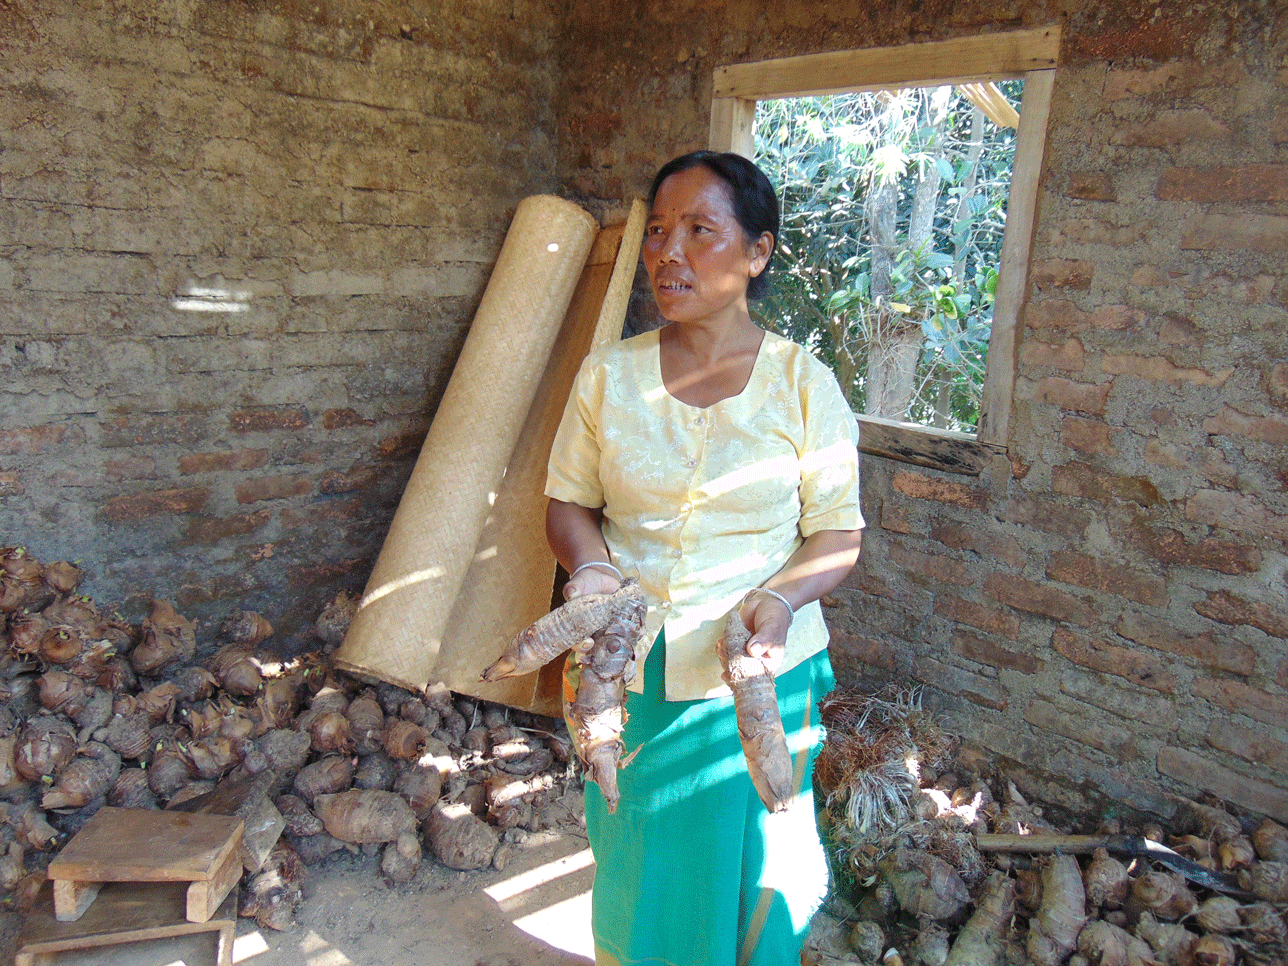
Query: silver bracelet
{"type": "Point", "coordinates": [791, 611]}
{"type": "Point", "coordinates": [596, 563]}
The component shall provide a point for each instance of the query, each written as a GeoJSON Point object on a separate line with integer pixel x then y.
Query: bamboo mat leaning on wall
{"type": "Point", "coordinates": [465, 565]}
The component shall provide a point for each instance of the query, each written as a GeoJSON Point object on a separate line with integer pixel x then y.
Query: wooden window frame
{"type": "Point", "coordinates": [1030, 55]}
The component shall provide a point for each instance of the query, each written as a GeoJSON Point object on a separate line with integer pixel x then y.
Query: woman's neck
{"type": "Point", "coordinates": [703, 365]}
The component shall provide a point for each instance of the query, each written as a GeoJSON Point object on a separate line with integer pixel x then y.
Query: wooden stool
{"type": "Point", "coordinates": [129, 924]}
{"type": "Point", "coordinates": [145, 845]}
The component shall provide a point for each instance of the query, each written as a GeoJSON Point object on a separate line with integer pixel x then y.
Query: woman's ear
{"type": "Point", "coordinates": [761, 249]}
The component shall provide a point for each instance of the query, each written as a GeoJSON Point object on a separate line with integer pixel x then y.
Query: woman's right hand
{"type": "Point", "coordinates": [591, 580]}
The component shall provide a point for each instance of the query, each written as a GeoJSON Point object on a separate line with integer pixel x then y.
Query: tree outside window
{"type": "Point", "coordinates": [910, 184]}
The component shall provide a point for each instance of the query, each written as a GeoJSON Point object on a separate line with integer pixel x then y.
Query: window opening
{"type": "Point", "coordinates": [915, 304]}
{"type": "Point", "coordinates": [894, 205]}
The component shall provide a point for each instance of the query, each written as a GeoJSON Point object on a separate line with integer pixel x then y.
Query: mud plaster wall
{"type": "Point", "coordinates": [1106, 612]}
{"type": "Point", "coordinates": [240, 246]}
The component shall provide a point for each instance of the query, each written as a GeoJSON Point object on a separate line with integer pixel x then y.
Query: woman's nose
{"type": "Point", "coordinates": [670, 250]}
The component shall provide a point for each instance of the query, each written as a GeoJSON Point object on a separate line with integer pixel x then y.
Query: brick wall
{"type": "Point", "coordinates": [1106, 610]}
{"type": "Point", "coordinates": [240, 246]}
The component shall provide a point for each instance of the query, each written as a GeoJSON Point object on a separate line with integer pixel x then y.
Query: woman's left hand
{"type": "Point", "coordinates": [768, 620]}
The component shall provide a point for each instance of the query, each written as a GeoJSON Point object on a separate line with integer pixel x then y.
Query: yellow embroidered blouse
{"type": "Point", "coordinates": [704, 504]}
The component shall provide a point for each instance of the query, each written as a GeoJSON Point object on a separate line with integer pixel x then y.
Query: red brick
{"type": "Point", "coordinates": [895, 518]}
{"type": "Point", "coordinates": [273, 488]}
{"type": "Point", "coordinates": [1207, 461]}
{"type": "Point", "coordinates": [1158, 369]}
{"type": "Point", "coordinates": [1068, 355]}
{"type": "Point", "coordinates": [991, 620]}
{"type": "Point", "coordinates": [984, 651]}
{"type": "Point", "coordinates": [141, 430]}
{"type": "Point", "coordinates": [1063, 273]}
{"type": "Point", "coordinates": [1245, 232]}
{"type": "Point", "coordinates": [239, 460]}
{"type": "Point", "coordinates": [1077, 725]}
{"type": "Point", "coordinates": [1277, 383]}
{"type": "Point", "coordinates": [268, 419]}
{"type": "Point", "coordinates": [309, 576]}
{"type": "Point", "coordinates": [1067, 394]}
{"type": "Point", "coordinates": [357, 478]}
{"type": "Point", "coordinates": [1202, 774]}
{"type": "Point", "coordinates": [403, 444]}
{"type": "Point", "coordinates": [129, 468]}
{"type": "Point", "coordinates": [1092, 186]}
{"type": "Point", "coordinates": [848, 649]}
{"type": "Point", "coordinates": [1046, 515]}
{"type": "Point", "coordinates": [1138, 668]}
{"type": "Point", "coordinates": [1259, 747]}
{"type": "Point", "coordinates": [922, 487]}
{"type": "Point", "coordinates": [975, 688]}
{"type": "Point", "coordinates": [1231, 422]}
{"type": "Point", "coordinates": [1167, 128]}
{"type": "Point", "coordinates": [1226, 608]}
{"type": "Point", "coordinates": [1087, 436]}
{"type": "Point", "coordinates": [987, 544]}
{"type": "Point", "coordinates": [1041, 599]}
{"type": "Point", "coordinates": [1099, 575]}
{"type": "Point", "coordinates": [323, 512]}
{"type": "Point", "coordinates": [1204, 649]}
{"type": "Point", "coordinates": [1177, 77]}
{"type": "Point", "coordinates": [136, 506]}
{"type": "Point", "coordinates": [1237, 513]}
{"type": "Point", "coordinates": [31, 441]}
{"type": "Point", "coordinates": [1118, 318]}
{"type": "Point", "coordinates": [1239, 697]}
{"type": "Point", "coordinates": [1056, 314]}
{"type": "Point", "coordinates": [1078, 479]}
{"type": "Point", "coordinates": [940, 569]}
{"type": "Point", "coordinates": [1096, 231]}
{"type": "Point", "coordinates": [1279, 126]}
{"type": "Point", "coordinates": [1252, 182]}
{"type": "Point", "coordinates": [1224, 556]}
{"type": "Point", "coordinates": [1150, 276]}
{"type": "Point", "coordinates": [210, 530]}
{"type": "Point", "coordinates": [11, 483]}
{"type": "Point", "coordinates": [343, 419]}
{"type": "Point", "coordinates": [1145, 710]}
{"type": "Point", "coordinates": [1179, 330]}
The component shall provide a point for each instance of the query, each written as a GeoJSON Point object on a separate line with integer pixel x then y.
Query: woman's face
{"type": "Point", "coordinates": [698, 257]}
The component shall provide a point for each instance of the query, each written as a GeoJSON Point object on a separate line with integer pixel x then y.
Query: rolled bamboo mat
{"type": "Point", "coordinates": [398, 631]}
{"type": "Point", "coordinates": [511, 580]}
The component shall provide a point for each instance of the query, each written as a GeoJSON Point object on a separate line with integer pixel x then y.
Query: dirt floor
{"type": "Point", "coordinates": [534, 912]}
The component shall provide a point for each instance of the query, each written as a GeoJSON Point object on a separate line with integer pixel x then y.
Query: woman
{"type": "Point", "coordinates": [717, 463]}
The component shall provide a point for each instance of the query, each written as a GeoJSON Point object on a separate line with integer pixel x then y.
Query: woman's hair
{"type": "Point", "coordinates": [755, 205]}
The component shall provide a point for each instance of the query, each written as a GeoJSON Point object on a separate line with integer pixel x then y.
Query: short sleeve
{"type": "Point", "coordinates": [573, 471]}
{"type": "Point", "coordinates": [829, 488]}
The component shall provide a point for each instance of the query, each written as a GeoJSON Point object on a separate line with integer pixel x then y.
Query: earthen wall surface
{"type": "Point", "coordinates": [1106, 609]}
{"type": "Point", "coordinates": [240, 246]}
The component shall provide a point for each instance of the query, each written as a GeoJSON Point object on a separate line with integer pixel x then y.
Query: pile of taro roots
{"type": "Point", "coordinates": [95, 711]}
{"type": "Point", "coordinates": [932, 865]}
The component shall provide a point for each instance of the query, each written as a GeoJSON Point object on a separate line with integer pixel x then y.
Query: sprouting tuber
{"type": "Point", "coordinates": [564, 627]}
{"type": "Point", "coordinates": [982, 941]}
{"type": "Point", "coordinates": [760, 724]}
{"type": "Point", "coordinates": [1103, 944]}
{"type": "Point", "coordinates": [1053, 932]}
{"type": "Point", "coordinates": [364, 816]}
{"type": "Point", "coordinates": [603, 630]}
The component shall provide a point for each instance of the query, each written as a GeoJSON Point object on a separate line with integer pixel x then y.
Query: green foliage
{"type": "Point", "coordinates": [894, 206]}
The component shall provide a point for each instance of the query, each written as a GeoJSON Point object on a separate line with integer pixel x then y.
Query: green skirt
{"type": "Point", "coordinates": [692, 870]}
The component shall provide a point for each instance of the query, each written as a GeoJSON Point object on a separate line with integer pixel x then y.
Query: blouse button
{"type": "Point", "coordinates": [677, 553]}
{"type": "Point", "coordinates": [690, 462]}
